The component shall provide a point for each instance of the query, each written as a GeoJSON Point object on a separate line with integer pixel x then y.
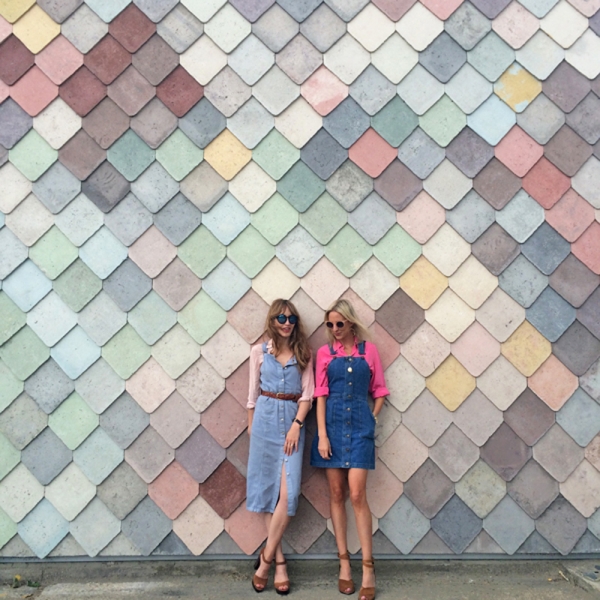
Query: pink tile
{"type": "Point", "coordinates": [5, 29]}
{"type": "Point", "coordinates": [248, 316]}
{"type": "Point", "coordinates": [237, 384]}
{"type": "Point", "coordinates": [173, 490]}
{"type": "Point", "coordinates": [545, 183]}
{"type": "Point", "coordinates": [383, 489]}
{"type": "Point", "coordinates": [422, 217]}
{"type": "Point", "coordinates": [515, 25]}
{"type": "Point", "coordinates": [476, 349]}
{"type": "Point", "coordinates": [592, 452]}
{"type": "Point", "coordinates": [34, 91]}
{"type": "Point", "coordinates": [570, 216]}
{"type": "Point", "coordinates": [225, 419]}
{"type": "Point", "coordinates": [518, 151]}
{"type": "Point", "coordinates": [247, 529]}
{"type": "Point", "coordinates": [442, 9]}
{"type": "Point", "coordinates": [150, 386]}
{"type": "Point", "coordinates": [388, 347]}
{"type": "Point", "coordinates": [316, 491]}
{"type": "Point", "coordinates": [553, 383]}
{"type": "Point", "coordinates": [4, 91]}
{"type": "Point", "coordinates": [587, 247]}
{"type": "Point", "coordinates": [59, 60]}
{"type": "Point", "coordinates": [426, 349]}
{"type": "Point", "coordinates": [152, 252]}
{"type": "Point", "coordinates": [372, 153]}
{"type": "Point", "coordinates": [323, 91]}
{"type": "Point", "coordinates": [365, 313]}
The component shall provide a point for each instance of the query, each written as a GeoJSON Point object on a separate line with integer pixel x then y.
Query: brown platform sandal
{"type": "Point", "coordinates": [256, 580]}
{"type": "Point", "coordinates": [367, 592]}
{"type": "Point", "coordinates": [345, 586]}
{"type": "Point", "coordinates": [279, 584]}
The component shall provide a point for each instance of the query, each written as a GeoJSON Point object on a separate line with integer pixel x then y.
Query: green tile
{"type": "Point", "coordinates": [348, 251]}
{"type": "Point", "coordinates": [202, 317]}
{"type": "Point", "coordinates": [10, 386]}
{"type": "Point", "coordinates": [33, 156]}
{"type": "Point", "coordinates": [130, 155]}
{"type": "Point", "coordinates": [179, 155]}
{"type": "Point", "coordinates": [77, 285]}
{"type": "Point", "coordinates": [126, 352]}
{"type": "Point", "coordinates": [12, 318]}
{"type": "Point", "coordinates": [202, 252]}
{"type": "Point", "coordinates": [9, 458]}
{"type": "Point", "coordinates": [250, 251]}
{"type": "Point", "coordinates": [8, 528]}
{"type": "Point", "coordinates": [276, 155]}
{"type": "Point", "coordinates": [53, 253]}
{"type": "Point", "coordinates": [24, 353]}
{"type": "Point", "coordinates": [275, 219]}
{"type": "Point", "coordinates": [443, 121]}
{"type": "Point", "coordinates": [152, 317]}
{"type": "Point", "coordinates": [324, 219]}
{"type": "Point", "coordinates": [397, 250]}
{"type": "Point", "coordinates": [395, 121]}
{"type": "Point", "coordinates": [300, 186]}
{"type": "Point", "coordinates": [73, 421]}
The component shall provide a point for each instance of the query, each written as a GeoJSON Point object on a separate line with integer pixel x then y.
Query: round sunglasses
{"type": "Point", "coordinates": [281, 319]}
{"type": "Point", "coordinates": [338, 324]}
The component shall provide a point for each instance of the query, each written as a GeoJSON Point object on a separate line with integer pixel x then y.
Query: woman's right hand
{"type": "Point", "coordinates": [324, 447]}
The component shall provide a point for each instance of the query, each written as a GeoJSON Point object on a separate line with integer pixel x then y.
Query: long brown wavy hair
{"type": "Point", "coordinates": [298, 342]}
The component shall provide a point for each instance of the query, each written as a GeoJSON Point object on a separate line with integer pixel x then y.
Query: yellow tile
{"type": "Point", "coordinates": [517, 87]}
{"type": "Point", "coordinates": [527, 349]}
{"type": "Point", "coordinates": [227, 155]}
{"type": "Point", "coordinates": [36, 29]}
{"type": "Point", "coordinates": [473, 282]}
{"type": "Point", "coordinates": [11, 10]}
{"type": "Point", "coordinates": [423, 282]}
{"type": "Point", "coordinates": [451, 384]}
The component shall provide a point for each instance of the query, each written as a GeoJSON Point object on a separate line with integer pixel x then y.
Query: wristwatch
{"type": "Point", "coordinates": [301, 423]}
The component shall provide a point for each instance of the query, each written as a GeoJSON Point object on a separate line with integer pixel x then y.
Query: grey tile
{"type": "Point", "coordinates": [567, 151]}
{"type": "Point", "coordinates": [155, 10]}
{"type": "Point", "coordinates": [346, 9]}
{"type": "Point", "coordinates": [580, 417]}
{"type": "Point", "coordinates": [98, 456]}
{"type": "Point", "coordinates": [299, 9]}
{"type": "Point", "coordinates": [275, 28]}
{"type": "Point", "coordinates": [14, 252]}
{"type": "Point", "coordinates": [46, 456]}
{"type": "Point", "coordinates": [372, 218]}
{"type": "Point", "coordinates": [3, 155]}
{"type": "Point", "coordinates": [323, 28]}
{"type": "Point", "coordinates": [398, 185]}
{"type": "Point", "coordinates": [200, 443]}
{"type": "Point", "coordinates": [395, 121]}
{"type": "Point", "coordinates": [180, 28]}
{"type": "Point", "coordinates": [454, 453]}
{"type": "Point", "coordinates": [550, 314]}
{"type": "Point", "coordinates": [173, 546]}
{"type": "Point", "coordinates": [325, 544]}
{"type": "Point", "coordinates": [588, 544]}
{"type": "Point", "coordinates": [44, 517]}
{"type": "Point", "coordinates": [431, 544]}
{"type": "Point", "coordinates": [251, 123]}
{"type": "Point", "coordinates": [178, 219]}
{"type": "Point", "coordinates": [22, 421]}
{"type": "Point", "coordinates": [251, 9]}
{"type": "Point", "coordinates": [558, 453]}
{"type": "Point", "coordinates": [533, 489]}
{"type": "Point", "coordinates": [429, 489]}
{"type": "Point", "coordinates": [420, 153]}
{"type": "Point", "coordinates": [299, 59]}
{"type": "Point", "coordinates": [589, 313]}
{"type": "Point", "coordinates": [299, 251]}
{"type": "Point", "coordinates": [456, 524]}
{"type": "Point", "coordinates": [347, 122]}
{"type": "Point", "coordinates": [203, 123]}
{"type": "Point", "coordinates": [149, 455]}
{"type": "Point", "coordinates": [443, 57]}
{"type": "Point", "coordinates": [381, 545]}
{"type": "Point", "coordinates": [509, 525]}
{"type": "Point", "coordinates": [404, 525]}
{"type": "Point", "coordinates": [471, 217]}
{"type": "Point", "coordinates": [128, 220]}
{"type": "Point", "coordinates": [95, 527]}
{"type": "Point", "coordinates": [536, 544]}
{"type": "Point", "coordinates": [574, 282]}
{"type": "Point", "coordinates": [122, 491]}
{"type": "Point", "coordinates": [99, 386]}
{"type": "Point", "coordinates": [594, 23]}
{"type": "Point", "coordinates": [529, 417]}
{"type": "Point", "coordinates": [522, 281]}
{"type": "Point", "coordinates": [566, 87]}
{"type": "Point", "coordinates": [60, 10]}
{"type": "Point", "coordinates": [491, 8]}
{"type": "Point", "coordinates": [541, 119]}
{"type": "Point", "coordinates": [469, 152]}
{"type": "Point", "coordinates": [323, 154]}
{"type": "Point", "coordinates": [505, 452]}
{"type": "Point", "coordinates": [467, 25]}
{"type": "Point", "coordinates": [102, 318]}
{"type": "Point", "coordinates": [227, 91]}
{"type": "Point", "coordinates": [56, 187]}
{"type": "Point", "coordinates": [372, 91]}
{"type": "Point", "coordinates": [496, 184]}
{"type": "Point", "coordinates": [105, 187]}
{"type": "Point", "coordinates": [300, 186]}
{"type": "Point", "coordinates": [49, 386]}
{"type": "Point", "coordinates": [14, 123]}
{"type": "Point", "coordinates": [546, 249]}
{"type": "Point", "coordinates": [577, 349]}
{"type": "Point", "coordinates": [350, 185]}
{"type": "Point", "coordinates": [585, 118]}
{"type": "Point", "coordinates": [146, 526]}
{"type": "Point", "coordinates": [155, 187]}
{"type": "Point", "coordinates": [154, 123]}
{"type": "Point", "coordinates": [562, 525]}
{"type": "Point", "coordinates": [127, 285]}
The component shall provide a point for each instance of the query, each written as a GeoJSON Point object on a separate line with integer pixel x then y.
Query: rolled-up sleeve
{"type": "Point", "coordinates": [377, 386]}
{"type": "Point", "coordinates": [256, 360]}
{"type": "Point", "coordinates": [308, 383]}
{"type": "Point", "coordinates": [321, 380]}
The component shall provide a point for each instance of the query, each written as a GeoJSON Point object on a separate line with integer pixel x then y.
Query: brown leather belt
{"type": "Point", "coordinates": [280, 396]}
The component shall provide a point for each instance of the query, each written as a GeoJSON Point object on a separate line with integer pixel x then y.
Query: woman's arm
{"type": "Point", "coordinates": [324, 446]}
{"type": "Point", "coordinates": [256, 359]}
{"type": "Point", "coordinates": [250, 417]}
{"type": "Point", "coordinates": [293, 435]}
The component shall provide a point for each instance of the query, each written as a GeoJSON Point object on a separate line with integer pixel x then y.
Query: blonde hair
{"type": "Point", "coordinates": [298, 341]}
{"type": "Point", "coordinates": [345, 308]}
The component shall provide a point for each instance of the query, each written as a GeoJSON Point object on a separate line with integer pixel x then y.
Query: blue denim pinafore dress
{"type": "Point", "coordinates": [348, 417]}
{"type": "Point", "coordinates": [271, 422]}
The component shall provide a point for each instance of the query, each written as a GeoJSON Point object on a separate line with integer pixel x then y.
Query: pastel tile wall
{"type": "Point", "coordinates": [168, 168]}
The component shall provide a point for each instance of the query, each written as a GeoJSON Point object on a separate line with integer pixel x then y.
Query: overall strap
{"type": "Point", "coordinates": [332, 351]}
{"type": "Point", "coordinates": [264, 347]}
{"type": "Point", "coordinates": [361, 348]}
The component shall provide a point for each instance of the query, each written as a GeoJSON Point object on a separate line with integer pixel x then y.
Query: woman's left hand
{"type": "Point", "coordinates": [291, 439]}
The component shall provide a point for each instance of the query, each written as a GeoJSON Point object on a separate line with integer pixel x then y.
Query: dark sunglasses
{"type": "Point", "coordinates": [293, 319]}
{"type": "Point", "coordinates": [338, 324]}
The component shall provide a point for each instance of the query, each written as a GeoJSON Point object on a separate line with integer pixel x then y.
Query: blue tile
{"type": "Point", "coordinates": [26, 286]}
{"type": "Point", "coordinates": [456, 524]}
{"type": "Point", "coordinates": [546, 249]}
{"type": "Point", "coordinates": [471, 216]}
{"type": "Point", "coordinates": [347, 122]}
{"type": "Point", "coordinates": [404, 525]}
{"type": "Point", "coordinates": [521, 216]}
{"type": "Point", "coordinates": [226, 284]}
{"type": "Point", "coordinates": [323, 154]}
{"type": "Point", "coordinates": [522, 281]}
{"type": "Point", "coordinates": [551, 315]}
{"type": "Point", "coordinates": [43, 528]}
{"type": "Point", "coordinates": [46, 456]}
{"type": "Point", "coordinates": [146, 526]}
{"type": "Point", "coordinates": [580, 418]}
{"type": "Point", "coordinates": [75, 352]}
{"type": "Point", "coordinates": [509, 525]}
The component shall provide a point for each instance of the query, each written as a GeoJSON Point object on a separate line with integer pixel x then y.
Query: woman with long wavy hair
{"type": "Point", "coordinates": [348, 369]}
{"type": "Point", "coordinates": [280, 395]}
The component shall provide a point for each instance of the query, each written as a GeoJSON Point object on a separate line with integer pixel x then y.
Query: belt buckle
{"type": "Point", "coordinates": [280, 395]}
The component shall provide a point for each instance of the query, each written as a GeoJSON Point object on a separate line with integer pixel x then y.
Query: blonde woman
{"type": "Point", "coordinates": [348, 369]}
{"type": "Point", "coordinates": [280, 395]}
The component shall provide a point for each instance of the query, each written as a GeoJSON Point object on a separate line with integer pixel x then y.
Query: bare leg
{"type": "Point", "coordinates": [337, 499]}
{"type": "Point", "coordinates": [276, 525]}
{"type": "Point", "coordinates": [357, 482]}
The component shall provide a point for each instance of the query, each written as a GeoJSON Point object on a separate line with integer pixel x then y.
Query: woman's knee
{"type": "Point", "coordinates": [337, 494]}
{"type": "Point", "coordinates": [358, 497]}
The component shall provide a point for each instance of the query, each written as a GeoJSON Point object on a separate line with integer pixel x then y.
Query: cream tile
{"type": "Point", "coordinates": [404, 382]}
{"type": "Point", "coordinates": [347, 59]}
{"type": "Point", "coordinates": [226, 350]}
{"type": "Point", "coordinates": [275, 281]}
{"type": "Point", "coordinates": [473, 282]}
{"type": "Point", "coordinates": [501, 383]}
{"type": "Point", "coordinates": [203, 60]}
{"type": "Point", "coordinates": [419, 27]}
{"type": "Point", "coordinates": [374, 283]}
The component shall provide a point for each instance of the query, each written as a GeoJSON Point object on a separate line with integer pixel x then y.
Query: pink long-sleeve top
{"type": "Point", "coordinates": [377, 387]}
{"type": "Point", "coordinates": [256, 361]}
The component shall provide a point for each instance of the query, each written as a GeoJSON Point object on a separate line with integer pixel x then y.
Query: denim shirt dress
{"type": "Point", "coordinates": [270, 424]}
